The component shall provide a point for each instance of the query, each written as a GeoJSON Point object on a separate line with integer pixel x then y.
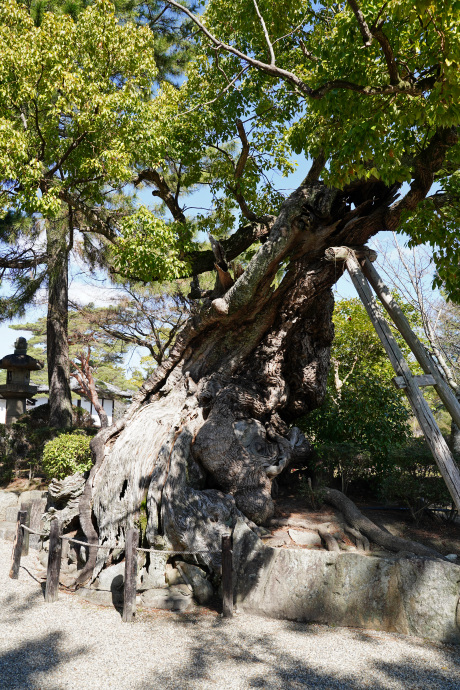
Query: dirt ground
{"type": "Point", "coordinates": [432, 531]}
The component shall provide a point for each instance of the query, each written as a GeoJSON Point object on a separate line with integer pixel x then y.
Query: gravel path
{"type": "Point", "coordinates": [71, 644]}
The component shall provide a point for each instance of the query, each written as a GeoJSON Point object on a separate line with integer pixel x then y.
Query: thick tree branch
{"type": "Point", "coordinates": [242, 160]}
{"type": "Point", "coordinates": [93, 216]}
{"type": "Point", "coordinates": [244, 152]}
{"type": "Point", "coordinates": [65, 155]}
{"type": "Point", "coordinates": [363, 27]}
{"type": "Point", "coordinates": [19, 263]}
{"type": "Point", "coordinates": [389, 57]}
{"type": "Point", "coordinates": [316, 168]}
{"type": "Point", "coordinates": [163, 191]}
{"type": "Point", "coordinates": [203, 261]}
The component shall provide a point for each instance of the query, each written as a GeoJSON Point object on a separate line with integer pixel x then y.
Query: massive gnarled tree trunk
{"type": "Point", "coordinates": [206, 435]}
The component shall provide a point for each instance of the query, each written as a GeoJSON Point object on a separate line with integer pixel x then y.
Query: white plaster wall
{"type": "Point", "coordinates": [2, 411]}
{"type": "Point", "coordinates": [107, 405]}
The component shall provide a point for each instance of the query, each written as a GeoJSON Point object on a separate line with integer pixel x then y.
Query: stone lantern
{"type": "Point", "coordinates": [17, 388]}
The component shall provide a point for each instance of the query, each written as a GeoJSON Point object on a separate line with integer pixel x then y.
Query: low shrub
{"type": "Point", "coordinates": [66, 454]}
{"type": "Point", "coordinates": [413, 480]}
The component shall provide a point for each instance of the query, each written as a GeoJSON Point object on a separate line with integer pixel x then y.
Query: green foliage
{"type": "Point", "coordinates": [413, 479]}
{"type": "Point", "coordinates": [356, 433]}
{"type": "Point", "coordinates": [67, 454]}
{"type": "Point", "coordinates": [149, 247]}
{"type": "Point", "coordinates": [372, 112]}
{"type": "Point", "coordinates": [363, 416]}
{"type": "Point", "coordinates": [362, 406]}
{"type": "Point", "coordinates": [22, 443]}
{"type": "Point", "coordinates": [73, 104]}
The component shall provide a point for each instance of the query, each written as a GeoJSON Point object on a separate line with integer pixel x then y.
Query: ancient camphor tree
{"type": "Point", "coordinates": [367, 92]}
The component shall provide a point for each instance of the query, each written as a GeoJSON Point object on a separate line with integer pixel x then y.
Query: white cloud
{"type": "Point", "coordinates": [100, 295]}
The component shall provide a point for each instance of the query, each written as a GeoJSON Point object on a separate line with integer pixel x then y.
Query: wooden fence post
{"type": "Point", "coordinates": [25, 542]}
{"type": "Point", "coordinates": [17, 546]}
{"type": "Point", "coordinates": [129, 592]}
{"type": "Point", "coordinates": [227, 584]}
{"type": "Point", "coordinates": [54, 562]}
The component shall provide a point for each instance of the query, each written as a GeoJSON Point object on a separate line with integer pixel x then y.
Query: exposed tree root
{"type": "Point", "coordinates": [368, 528]}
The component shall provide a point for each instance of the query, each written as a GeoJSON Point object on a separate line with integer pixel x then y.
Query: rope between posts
{"type": "Point", "coordinates": [32, 531]}
{"type": "Point", "coordinates": [121, 546]}
{"type": "Point", "coordinates": [91, 546]}
{"type": "Point", "coordinates": [183, 553]}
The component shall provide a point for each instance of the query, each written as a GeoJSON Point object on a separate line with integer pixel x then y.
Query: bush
{"type": "Point", "coordinates": [67, 454]}
{"type": "Point", "coordinates": [413, 480]}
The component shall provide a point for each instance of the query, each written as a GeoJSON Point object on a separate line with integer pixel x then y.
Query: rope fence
{"type": "Point", "coordinates": [32, 531]}
{"type": "Point", "coordinates": [131, 548]}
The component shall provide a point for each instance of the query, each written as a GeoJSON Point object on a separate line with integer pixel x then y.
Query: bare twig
{"type": "Point", "coordinates": [267, 37]}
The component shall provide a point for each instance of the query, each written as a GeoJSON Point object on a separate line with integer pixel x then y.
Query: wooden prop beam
{"type": "Point", "coordinates": [341, 253]}
{"type": "Point", "coordinates": [423, 357]}
{"type": "Point", "coordinates": [434, 438]}
{"type": "Point", "coordinates": [423, 380]}
{"type": "Point", "coordinates": [25, 542]}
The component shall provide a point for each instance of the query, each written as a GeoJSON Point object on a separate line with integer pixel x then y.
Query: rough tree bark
{"type": "Point", "coordinates": [84, 375]}
{"type": "Point", "coordinates": [57, 346]}
{"type": "Point", "coordinates": [208, 432]}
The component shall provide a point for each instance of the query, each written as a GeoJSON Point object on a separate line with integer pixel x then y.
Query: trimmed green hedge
{"type": "Point", "coordinates": [66, 454]}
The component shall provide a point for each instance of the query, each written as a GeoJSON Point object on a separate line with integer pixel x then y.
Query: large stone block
{"type": "Point", "coordinates": [111, 578]}
{"type": "Point", "coordinates": [7, 500]}
{"type": "Point", "coordinates": [7, 530]}
{"type": "Point", "coordinates": [202, 589]}
{"type": "Point", "coordinates": [101, 597]}
{"type": "Point", "coordinates": [173, 599]}
{"type": "Point", "coordinates": [410, 595]}
{"type": "Point", "coordinates": [11, 513]}
{"type": "Point", "coordinates": [33, 495]}
{"type": "Point", "coordinates": [153, 577]}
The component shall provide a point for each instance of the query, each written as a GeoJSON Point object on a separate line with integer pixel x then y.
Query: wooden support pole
{"type": "Point", "coordinates": [54, 562]}
{"type": "Point", "coordinates": [227, 577]}
{"type": "Point", "coordinates": [341, 253]}
{"type": "Point", "coordinates": [129, 592]}
{"type": "Point", "coordinates": [17, 546]}
{"type": "Point", "coordinates": [434, 438]}
{"type": "Point", "coordinates": [420, 380]}
{"type": "Point", "coordinates": [423, 357]}
{"type": "Point", "coordinates": [25, 542]}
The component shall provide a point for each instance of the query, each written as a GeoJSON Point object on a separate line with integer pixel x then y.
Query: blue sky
{"type": "Point", "coordinates": [85, 288]}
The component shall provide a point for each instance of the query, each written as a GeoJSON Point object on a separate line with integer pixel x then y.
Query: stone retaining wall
{"type": "Point", "coordinates": [10, 503]}
{"type": "Point", "coordinates": [405, 594]}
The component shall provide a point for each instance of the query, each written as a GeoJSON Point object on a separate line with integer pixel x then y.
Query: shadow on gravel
{"type": "Point", "coordinates": [26, 666]}
{"type": "Point", "coordinates": [262, 664]}
{"type": "Point", "coordinates": [13, 608]}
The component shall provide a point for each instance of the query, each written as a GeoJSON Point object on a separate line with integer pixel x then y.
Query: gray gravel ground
{"type": "Point", "coordinates": [71, 644]}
